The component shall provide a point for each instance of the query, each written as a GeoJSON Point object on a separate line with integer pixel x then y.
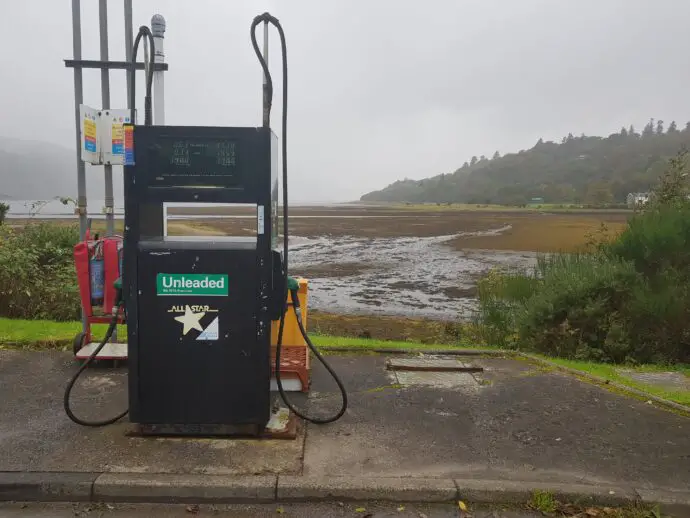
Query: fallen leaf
{"type": "Point", "coordinates": [462, 506]}
{"type": "Point", "coordinates": [360, 510]}
{"type": "Point", "coordinates": [608, 510]}
{"type": "Point", "coordinates": [194, 509]}
{"type": "Point", "coordinates": [422, 515]}
{"type": "Point", "coordinates": [592, 511]}
{"type": "Point", "coordinates": [401, 508]}
{"type": "Point", "coordinates": [280, 510]}
{"type": "Point", "coordinates": [110, 507]}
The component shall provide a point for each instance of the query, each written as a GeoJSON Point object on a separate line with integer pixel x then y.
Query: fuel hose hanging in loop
{"type": "Point", "coordinates": [267, 18]}
{"type": "Point", "coordinates": [119, 304]}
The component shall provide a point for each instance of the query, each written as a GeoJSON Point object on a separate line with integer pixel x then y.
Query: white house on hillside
{"type": "Point", "coordinates": [635, 199]}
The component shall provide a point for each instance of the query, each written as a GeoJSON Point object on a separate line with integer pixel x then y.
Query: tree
{"type": "Point", "coordinates": [624, 132]}
{"type": "Point", "coordinates": [496, 156]}
{"type": "Point", "coordinates": [473, 161]}
{"type": "Point", "coordinates": [598, 194]}
{"type": "Point", "coordinates": [673, 183]}
{"type": "Point", "coordinates": [631, 131]}
{"type": "Point", "coordinates": [465, 165]}
{"type": "Point", "coordinates": [4, 209]}
{"type": "Point", "coordinates": [570, 137]}
{"type": "Point", "coordinates": [672, 128]}
{"type": "Point", "coordinates": [648, 130]}
{"type": "Point", "coordinates": [539, 142]}
{"type": "Point", "coordinates": [687, 126]}
{"type": "Point", "coordinates": [660, 127]}
{"type": "Point", "coordinates": [482, 158]}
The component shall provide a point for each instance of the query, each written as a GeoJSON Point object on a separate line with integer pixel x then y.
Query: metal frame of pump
{"type": "Point", "coordinates": [290, 285]}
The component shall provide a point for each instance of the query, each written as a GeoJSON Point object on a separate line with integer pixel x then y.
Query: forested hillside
{"type": "Point", "coordinates": [587, 170]}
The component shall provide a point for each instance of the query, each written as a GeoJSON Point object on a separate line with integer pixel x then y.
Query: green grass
{"type": "Point", "coordinates": [44, 333]}
{"type": "Point", "coordinates": [609, 372]}
{"type": "Point", "coordinates": [544, 502]}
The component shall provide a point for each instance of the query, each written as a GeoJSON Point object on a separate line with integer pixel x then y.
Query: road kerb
{"type": "Point", "coordinates": [172, 488]}
{"type": "Point", "coordinates": [46, 487]}
{"type": "Point", "coordinates": [520, 493]}
{"type": "Point", "coordinates": [305, 489]}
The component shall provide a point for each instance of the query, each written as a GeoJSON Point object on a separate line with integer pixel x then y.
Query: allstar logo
{"type": "Point", "coordinates": [191, 320]}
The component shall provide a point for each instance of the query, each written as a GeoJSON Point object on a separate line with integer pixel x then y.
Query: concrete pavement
{"type": "Point", "coordinates": [490, 437]}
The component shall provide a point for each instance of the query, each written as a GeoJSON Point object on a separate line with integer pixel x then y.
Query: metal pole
{"type": "Point", "coordinates": [129, 42]}
{"type": "Point", "coordinates": [158, 31]}
{"type": "Point", "coordinates": [79, 99]}
{"type": "Point", "coordinates": [266, 120]}
{"type": "Point", "coordinates": [105, 94]}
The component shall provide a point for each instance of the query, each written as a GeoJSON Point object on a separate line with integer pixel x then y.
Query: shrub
{"type": "Point", "coordinates": [37, 277]}
{"type": "Point", "coordinates": [627, 300]}
{"type": "Point", "coordinates": [4, 209]}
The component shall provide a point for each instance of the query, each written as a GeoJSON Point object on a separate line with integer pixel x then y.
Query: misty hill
{"type": "Point", "coordinates": [592, 170]}
{"type": "Point", "coordinates": [32, 170]}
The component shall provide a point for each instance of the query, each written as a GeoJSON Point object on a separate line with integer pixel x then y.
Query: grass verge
{"type": "Point", "coordinates": [611, 373]}
{"type": "Point", "coordinates": [45, 334]}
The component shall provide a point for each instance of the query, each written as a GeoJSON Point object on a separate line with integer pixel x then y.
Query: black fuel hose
{"type": "Point", "coordinates": [143, 32]}
{"type": "Point", "coordinates": [91, 358]}
{"type": "Point", "coordinates": [267, 18]}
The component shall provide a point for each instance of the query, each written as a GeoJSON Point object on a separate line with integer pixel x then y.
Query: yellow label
{"type": "Point", "coordinates": [118, 132]}
{"type": "Point", "coordinates": [90, 129]}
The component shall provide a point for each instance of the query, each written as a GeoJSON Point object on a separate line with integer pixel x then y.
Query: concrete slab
{"type": "Point", "coordinates": [35, 434]}
{"type": "Point", "coordinates": [431, 364]}
{"type": "Point", "coordinates": [519, 422]}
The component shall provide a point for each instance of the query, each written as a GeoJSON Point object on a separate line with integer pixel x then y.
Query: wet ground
{"type": "Point", "coordinates": [401, 262]}
{"type": "Point", "coordinates": [403, 276]}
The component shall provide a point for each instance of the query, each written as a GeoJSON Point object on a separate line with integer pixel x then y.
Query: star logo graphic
{"type": "Point", "coordinates": [190, 320]}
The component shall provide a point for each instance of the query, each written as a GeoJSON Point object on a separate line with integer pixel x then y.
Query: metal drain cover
{"type": "Point", "coordinates": [430, 365]}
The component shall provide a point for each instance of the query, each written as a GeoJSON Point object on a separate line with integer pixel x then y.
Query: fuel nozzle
{"type": "Point", "coordinates": [293, 288]}
{"type": "Point", "coordinates": [118, 294]}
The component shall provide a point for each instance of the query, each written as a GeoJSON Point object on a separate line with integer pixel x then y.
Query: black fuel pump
{"type": "Point", "coordinates": [199, 310]}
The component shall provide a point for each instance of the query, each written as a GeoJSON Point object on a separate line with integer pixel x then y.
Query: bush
{"type": "Point", "coordinates": [37, 276]}
{"type": "Point", "coordinates": [4, 209]}
{"type": "Point", "coordinates": [627, 300]}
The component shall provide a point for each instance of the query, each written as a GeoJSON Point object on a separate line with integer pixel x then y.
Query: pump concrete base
{"type": "Point", "coordinates": [282, 425]}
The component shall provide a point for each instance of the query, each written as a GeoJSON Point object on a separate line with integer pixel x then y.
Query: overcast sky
{"type": "Point", "coordinates": [379, 90]}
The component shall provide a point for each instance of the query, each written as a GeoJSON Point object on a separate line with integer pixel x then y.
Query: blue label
{"type": "Point", "coordinates": [118, 149]}
{"type": "Point", "coordinates": [97, 278]}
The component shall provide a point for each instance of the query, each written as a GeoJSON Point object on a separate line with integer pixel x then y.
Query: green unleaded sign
{"type": "Point", "coordinates": [208, 285]}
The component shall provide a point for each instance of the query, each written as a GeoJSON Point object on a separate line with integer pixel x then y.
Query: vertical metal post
{"type": "Point", "coordinates": [158, 31]}
{"type": "Point", "coordinates": [266, 118]}
{"type": "Point", "coordinates": [129, 42]}
{"type": "Point", "coordinates": [79, 99]}
{"type": "Point", "coordinates": [105, 94]}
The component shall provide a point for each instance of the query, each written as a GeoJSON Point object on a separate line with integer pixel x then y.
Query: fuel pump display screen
{"type": "Point", "coordinates": [198, 161]}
